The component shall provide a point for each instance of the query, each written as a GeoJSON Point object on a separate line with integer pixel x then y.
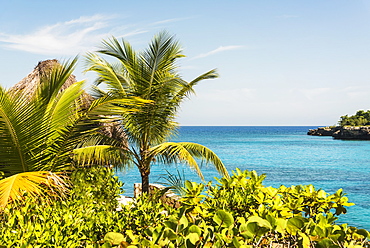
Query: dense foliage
{"type": "Point", "coordinates": [236, 212]}
{"type": "Point", "coordinates": [361, 118]}
{"type": "Point", "coordinates": [50, 130]}
{"type": "Point", "coordinates": [37, 133]}
{"type": "Point", "coordinates": [80, 219]}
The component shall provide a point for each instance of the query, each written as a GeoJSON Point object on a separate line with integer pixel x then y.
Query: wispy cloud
{"type": "Point", "coordinates": [65, 38]}
{"type": "Point", "coordinates": [217, 50]}
{"type": "Point", "coordinates": [287, 16]}
{"type": "Point", "coordinates": [170, 21]}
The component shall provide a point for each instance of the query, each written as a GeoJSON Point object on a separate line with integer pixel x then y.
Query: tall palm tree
{"type": "Point", "coordinates": [40, 131]}
{"type": "Point", "coordinates": [151, 75]}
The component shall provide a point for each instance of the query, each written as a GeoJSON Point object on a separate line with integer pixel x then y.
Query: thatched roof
{"type": "Point", "coordinates": [29, 84]}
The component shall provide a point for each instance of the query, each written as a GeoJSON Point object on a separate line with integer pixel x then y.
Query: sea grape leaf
{"type": "Point", "coordinates": [325, 243]}
{"type": "Point", "coordinates": [281, 225]}
{"type": "Point", "coordinates": [183, 221]}
{"type": "Point", "coordinates": [114, 238]}
{"type": "Point", "coordinates": [319, 231]}
{"type": "Point", "coordinates": [170, 224]}
{"type": "Point", "coordinates": [321, 194]}
{"type": "Point", "coordinates": [170, 234]}
{"type": "Point", "coordinates": [107, 245]}
{"type": "Point", "coordinates": [193, 238]}
{"type": "Point", "coordinates": [248, 230]}
{"type": "Point", "coordinates": [294, 225]}
{"type": "Point", "coordinates": [363, 232]}
{"type": "Point", "coordinates": [305, 240]}
{"type": "Point", "coordinates": [260, 222]}
{"type": "Point", "coordinates": [223, 218]}
{"type": "Point", "coordinates": [124, 244]}
{"type": "Point", "coordinates": [195, 229]}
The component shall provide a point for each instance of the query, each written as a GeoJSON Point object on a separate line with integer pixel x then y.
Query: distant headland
{"type": "Point", "coordinates": [355, 127]}
{"type": "Point", "coordinates": [345, 133]}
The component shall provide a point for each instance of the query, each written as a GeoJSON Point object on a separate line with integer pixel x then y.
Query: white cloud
{"type": "Point", "coordinates": [65, 38]}
{"type": "Point", "coordinates": [166, 21]}
{"type": "Point", "coordinates": [217, 50]}
{"type": "Point", "coordinates": [287, 16]}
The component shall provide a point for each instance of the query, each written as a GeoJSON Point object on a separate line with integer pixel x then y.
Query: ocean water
{"type": "Point", "coordinates": [287, 156]}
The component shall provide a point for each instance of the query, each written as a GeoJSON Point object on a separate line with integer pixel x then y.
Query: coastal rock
{"type": "Point", "coordinates": [344, 133]}
{"type": "Point", "coordinates": [353, 133]}
{"type": "Point", "coordinates": [323, 131]}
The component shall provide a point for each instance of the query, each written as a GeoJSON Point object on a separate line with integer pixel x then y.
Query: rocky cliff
{"type": "Point", "coordinates": [345, 133]}
{"type": "Point", "coordinates": [323, 131]}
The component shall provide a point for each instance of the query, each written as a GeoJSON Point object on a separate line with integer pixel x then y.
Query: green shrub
{"type": "Point", "coordinates": [236, 212]}
{"type": "Point", "coordinates": [82, 218]}
{"type": "Point", "coordinates": [241, 212]}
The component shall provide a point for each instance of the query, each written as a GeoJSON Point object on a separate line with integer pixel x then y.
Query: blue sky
{"type": "Point", "coordinates": [281, 62]}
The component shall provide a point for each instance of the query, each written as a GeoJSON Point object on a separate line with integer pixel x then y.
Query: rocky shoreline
{"type": "Point", "coordinates": [344, 133]}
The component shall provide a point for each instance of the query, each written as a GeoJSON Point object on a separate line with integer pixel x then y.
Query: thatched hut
{"type": "Point", "coordinates": [29, 84]}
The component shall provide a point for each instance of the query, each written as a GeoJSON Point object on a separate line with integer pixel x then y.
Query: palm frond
{"type": "Point", "coordinates": [175, 182]}
{"type": "Point", "coordinates": [107, 74]}
{"type": "Point", "coordinates": [171, 152]}
{"type": "Point", "coordinates": [52, 82]}
{"type": "Point", "coordinates": [103, 155]}
{"type": "Point", "coordinates": [188, 87]}
{"type": "Point", "coordinates": [37, 183]}
{"type": "Point", "coordinates": [17, 119]}
{"type": "Point", "coordinates": [162, 53]}
{"type": "Point", "coordinates": [206, 155]}
{"type": "Point", "coordinates": [65, 108]}
{"type": "Point", "coordinates": [113, 106]}
{"type": "Point", "coordinates": [187, 152]}
{"type": "Point", "coordinates": [125, 53]}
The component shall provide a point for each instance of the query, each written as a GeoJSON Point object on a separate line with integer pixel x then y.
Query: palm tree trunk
{"type": "Point", "coordinates": [145, 179]}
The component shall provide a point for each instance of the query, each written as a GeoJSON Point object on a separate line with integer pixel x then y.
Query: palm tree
{"type": "Point", "coordinates": [40, 129]}
{"type": "Point", "coordinates": [151, 75]}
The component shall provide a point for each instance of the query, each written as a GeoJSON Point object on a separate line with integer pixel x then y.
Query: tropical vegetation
{"type": "Point", "coordinates": [151, 75]}
{"type": "Point", "coordinates": [44, 131]}
{"type": "Point", "coordinates": [236, 212]}
{"type": "Point", "coordinates": [36, 135]}
{"type": "Point", "coordinates": [361, 118]}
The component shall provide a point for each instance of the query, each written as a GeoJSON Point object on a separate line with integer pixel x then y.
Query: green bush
{"type": "Point", "coordinates": [236, 212]}
{"type": "Point", "coordinates": [83, 218]}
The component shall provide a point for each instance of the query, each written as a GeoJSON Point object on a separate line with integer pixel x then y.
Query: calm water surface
{"type": "Point", "coordinates": [287, 156]}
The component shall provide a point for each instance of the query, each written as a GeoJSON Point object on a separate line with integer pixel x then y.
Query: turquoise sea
{"type": "Point", "coordinates": [287, 155]}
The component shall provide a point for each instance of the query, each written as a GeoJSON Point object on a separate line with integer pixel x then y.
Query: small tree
{"type": "Point", "coordinates": [151, 75]}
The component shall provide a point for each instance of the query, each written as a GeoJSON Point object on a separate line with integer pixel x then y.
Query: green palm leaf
{"type": "Point", "coordinates": [107, 155]}
{"type": "Point", "coordinates": [108, 73]}
{"type": "Point", "coordinates": [186, 152]}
